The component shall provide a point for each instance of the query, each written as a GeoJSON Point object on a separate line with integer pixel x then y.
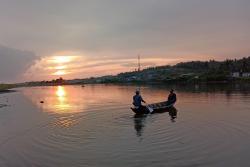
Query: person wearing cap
{"type": "Point", "coordinates": [137, 100]}
{"type": "Point", "coordinates": [171, 97]}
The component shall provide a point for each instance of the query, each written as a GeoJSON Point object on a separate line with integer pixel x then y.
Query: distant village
{"type": "Point", "coordinates": [240, 74]}
{"type": "Point", "coordinates": [185, 72]}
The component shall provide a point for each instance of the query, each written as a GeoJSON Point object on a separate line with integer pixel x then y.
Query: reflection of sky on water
{"type": "Point", "coordinates": [76, 99]}
{"type": "Point", "coordinates": [99, 120]}
{"type": "Point", "coordinates": [60, 99]}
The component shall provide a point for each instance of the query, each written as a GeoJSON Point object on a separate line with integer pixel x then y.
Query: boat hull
{"type": "Point", "coordinates": [155, 108]}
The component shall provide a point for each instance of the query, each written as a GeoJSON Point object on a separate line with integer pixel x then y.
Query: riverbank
{"type": "Point", "coordinates": [6, 88]}
{"type": "Point", "coordinates": [193, 72]}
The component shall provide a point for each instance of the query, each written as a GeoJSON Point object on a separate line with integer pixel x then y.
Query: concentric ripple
{"type": "Point", "coordinates": [93, 126]}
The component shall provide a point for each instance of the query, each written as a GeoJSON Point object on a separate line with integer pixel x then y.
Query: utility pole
{"type": "Point", "coordinates": [139, 63]}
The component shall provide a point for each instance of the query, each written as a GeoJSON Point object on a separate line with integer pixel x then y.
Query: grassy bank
{"type": "Point", "coordinates": [5, 87]}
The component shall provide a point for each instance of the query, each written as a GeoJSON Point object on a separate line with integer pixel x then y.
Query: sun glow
{"type": "Point", "coordinates": [60, 67]}
{"type": "Point", "coordinates": [62, 59]}
{"type": "Point", "coordinates": [60, 72]}
{"type": "Point", "coordinates": [61, 62]}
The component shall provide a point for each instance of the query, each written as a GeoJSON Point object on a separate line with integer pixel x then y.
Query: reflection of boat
{"type": "Point", "coordinates": [139, 124]}
{"type": "Point", "coordinates": [140, 118]}
{"type": "Point", "coordinates": [153, 108]}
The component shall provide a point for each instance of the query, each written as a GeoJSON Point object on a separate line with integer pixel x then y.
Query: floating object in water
{"type": "Point", "coordinates": [3, 105]}
{"type": "Point", "coordinates": [41, 101]}
{"type": "Point", "coordinates": [83, 85]}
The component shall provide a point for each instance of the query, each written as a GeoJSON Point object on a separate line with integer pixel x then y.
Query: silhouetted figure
{"type": "Point", "coordinates": [171, 97]}
{"type": "Point", "coordinates": [137, 100]}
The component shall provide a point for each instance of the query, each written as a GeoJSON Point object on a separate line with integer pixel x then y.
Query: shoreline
{"type": "Point", "coordinates": [140, 83]}
{"type": "Point", "coordinates": [7, 88]}
{"type": "Point", "coordinates": [7, 91]}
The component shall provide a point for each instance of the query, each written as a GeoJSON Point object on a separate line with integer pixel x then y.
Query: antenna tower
{"type": "Point", "coordinates": [139, 63]}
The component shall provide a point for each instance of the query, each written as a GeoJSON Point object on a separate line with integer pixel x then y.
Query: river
{"type": "Point", "coordinates": [93, 126]}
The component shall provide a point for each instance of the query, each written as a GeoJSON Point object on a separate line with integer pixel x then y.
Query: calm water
{"type": "Point", "coordinates": [93, 126]}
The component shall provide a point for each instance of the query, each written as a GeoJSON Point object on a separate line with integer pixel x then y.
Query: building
{"type": "Point", "coordinates": [246, 74]}
{"type": "Point", "coordinates": [240, 74]}
{"type": "Point", "coordinates": [235, 74]}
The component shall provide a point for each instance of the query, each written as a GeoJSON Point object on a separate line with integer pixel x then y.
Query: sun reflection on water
{"type": "Point", "coordinates": [57, 100]}
{"type": "Point", "coordinates": [68, 103]}
{"type": "Point", "coordinates": [63, 105]}
{"type": "Point", "coordinates": [72, 99]}
{"type": "Point", "coordinates": [60, 92]}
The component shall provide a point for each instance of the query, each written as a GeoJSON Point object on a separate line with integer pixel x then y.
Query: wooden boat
{"type": "Point", "coordinates": [153, 108]}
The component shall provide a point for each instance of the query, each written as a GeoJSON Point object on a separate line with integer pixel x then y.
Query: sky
{"type": "Point", "coordinates": [43, 40]}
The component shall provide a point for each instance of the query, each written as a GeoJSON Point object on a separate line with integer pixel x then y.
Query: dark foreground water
{"type": "Point", "coordinates": [93, 126]}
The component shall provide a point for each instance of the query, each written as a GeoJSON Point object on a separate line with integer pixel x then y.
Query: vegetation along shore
{"type": "Point", "coordinates": [236, 70]}
{"type": "Point", "coordinates": [6, 87]}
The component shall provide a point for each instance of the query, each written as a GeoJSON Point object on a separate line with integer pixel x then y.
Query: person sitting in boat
{"type": "Point", "coordinates": [137, 100]}
{"type": "Point", "coordinates": [171, 97]}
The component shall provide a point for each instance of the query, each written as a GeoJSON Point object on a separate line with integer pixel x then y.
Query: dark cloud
{"type": "Point", "coordinates": [121, 29]}
{"type": "Point", "coordinates": [215, 27]}
{"type": "Point", "coordinates": [14, 63]}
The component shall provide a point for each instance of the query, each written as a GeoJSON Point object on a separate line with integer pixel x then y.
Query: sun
{"type": "Point", "coordinates": [60, 72]}
{"type": "Point", "coordinates": [61, 63]}
{"type": "Point", "coordinates": [62, 59]}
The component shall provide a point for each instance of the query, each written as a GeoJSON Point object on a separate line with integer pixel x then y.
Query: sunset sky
{"type": "Point", "coordinates": [47, 39]}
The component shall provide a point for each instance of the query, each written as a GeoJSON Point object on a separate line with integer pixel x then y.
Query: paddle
{"type": "Point", "coordinates": [149, 108]}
